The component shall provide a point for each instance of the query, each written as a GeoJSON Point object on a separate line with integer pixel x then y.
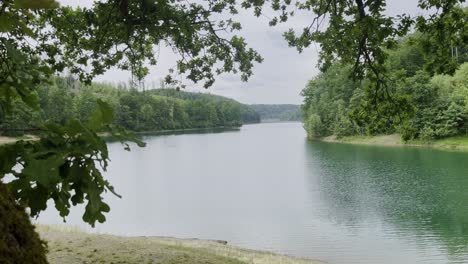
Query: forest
{"type": "Point", "coordinates": [152, 110]}
{"type": "Point", "coordinates": [418, 103]}
{"type": "Point", "coordinates": [278, 112]}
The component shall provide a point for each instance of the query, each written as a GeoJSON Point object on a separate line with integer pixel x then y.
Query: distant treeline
{"type": "Point", "coordinates": [278, 112]}
{"type": "Point", "coordinates": [152, 110]}
{"type": "Point", "coordinates": [417, 102]}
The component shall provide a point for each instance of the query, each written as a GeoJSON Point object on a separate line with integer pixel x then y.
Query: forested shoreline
{"type": "Point", "coordinates": [278, 112]}
{"type": "Point", "coordinates": [417, 103]}
{"type": "Point", "coordinates": [65, 99]}
{"type": "Point", "coordinates": [160, 109]}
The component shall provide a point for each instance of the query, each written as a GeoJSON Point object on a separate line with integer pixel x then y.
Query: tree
{"type": "Point", "coordinates": [19, 243]}
{"type": "Point", "coordinates": [327, 102]}
{"type": "Point", "coordinates": [358, 33]}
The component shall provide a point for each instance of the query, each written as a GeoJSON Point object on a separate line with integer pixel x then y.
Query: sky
{"type": "Point", "coordinates": [279, 79]}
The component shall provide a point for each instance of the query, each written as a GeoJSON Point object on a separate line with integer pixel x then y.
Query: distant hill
{"type": "Point", "coordinates": [248, 114]}
{"type": "Point", "coordinates": [278, 112]}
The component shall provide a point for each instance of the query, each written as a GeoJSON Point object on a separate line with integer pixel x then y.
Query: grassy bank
{"type": "Point", "coordinates": [69, 246]}
{"type": "Point", "coordinates": [459, 143]}
{"type": "Point", "coordinates": [8, 140]}
{"type": "Point", "coordinates": [188, 130]}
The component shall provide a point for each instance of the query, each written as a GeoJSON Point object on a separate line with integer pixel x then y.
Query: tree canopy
{"type": "Point", "coordinates": [431, 107]}
{"type": "Point", "coordinates": [137, 111]}
{"type": "Point", "coordinates": [281, 112]}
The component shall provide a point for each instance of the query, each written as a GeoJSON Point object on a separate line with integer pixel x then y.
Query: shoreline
{"type": "Point", "coordinates": [457, 143]}
{"type": "Point", "coordinates": [4, 140]}
{"type": "Point", "coordinates": [11, 140]}
{"type": "Point", "coordinates": [184, 130]}
{"type": "Point", "coordinates": [69, 245]}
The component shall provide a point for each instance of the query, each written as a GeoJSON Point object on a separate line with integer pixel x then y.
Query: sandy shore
{"type": "Point", "coordinates": [7, 140]}
{"type": "Point", "coordinates": [10, 140]}
{"type": "Point", "coordinates": [70, 246]}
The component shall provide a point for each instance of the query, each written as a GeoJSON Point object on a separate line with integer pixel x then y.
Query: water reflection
{"type": "Point", "coordinates": [421, 193]}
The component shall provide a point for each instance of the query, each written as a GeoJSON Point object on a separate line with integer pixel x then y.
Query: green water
{"type": "Point", "coordinates": [267, 187]}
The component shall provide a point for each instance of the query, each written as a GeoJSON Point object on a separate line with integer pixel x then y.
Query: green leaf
{"type": "Point", "coordinates": [8, 156]}
{"type": "Point", "coordinates": [44, 171]}
{"type": "Point", "coordinates": [7, 23]}
{"type": "Point", "coordinates": [95, 206]}
{"type": "Point", "coordinates": [102, 115]}
{"type": "Point", "coordinates": [36, 4]}
{"type": "Point", "coordinates": [38, 202]}
{"type": "Point", "coordinates": [14, 53]}
{"type": "Point", "coordinates": [31, 100]}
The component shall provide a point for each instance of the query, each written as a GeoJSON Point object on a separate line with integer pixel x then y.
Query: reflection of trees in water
{"type": "Point", "coordinates": [422, 192]}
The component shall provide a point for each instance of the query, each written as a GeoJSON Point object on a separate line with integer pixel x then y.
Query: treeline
{"type": "Point", "coordinates": [248, 113]}
{"type": "Point", "coordinates": [278, 112]}
{"type": "Point", "coordinates": [415, 102]}
{"type": "Point", "coordinates": [152, 110]}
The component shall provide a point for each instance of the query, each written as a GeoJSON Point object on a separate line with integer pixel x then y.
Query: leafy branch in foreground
{"type": "Point", "coordinates": [360, 33]}
{"type": "Point", "coordinates": [127, 34]}
{"type": "Point", "coordinates": [65, 165]}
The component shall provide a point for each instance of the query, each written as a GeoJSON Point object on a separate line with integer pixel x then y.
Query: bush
{"type": "Point", "coordinates": [427, 133]}
{"type": "Point", "coordinates": [407, 131]}
{"type": "Point", "coordinates": [344, 127]}
{"type": "Point", "coordinates": [314, 126]}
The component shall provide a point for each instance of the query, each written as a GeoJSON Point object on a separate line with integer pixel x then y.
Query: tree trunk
{"type": "Point", "coordinates": [19, 242]}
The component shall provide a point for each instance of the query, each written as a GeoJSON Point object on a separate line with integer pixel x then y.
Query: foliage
{"type": "Point", "coordinates": [152, 110]}
{"type": "Point", "coordinates": [360, 34]}
{"type": "Point", "coordinates": [428, 107]}
{"type": "Point", "coordinates": [357, 33]}
{"type": "Point", "coordinates": [247, 112]}
{"type": "Point", "coordinates": [314, 126]}
{"type": "Point", "coordinates": [149, 111]}
{"type": "Point", "coordinates": [282, 112]}
{"type": "Point", "coordinates": [124, 34]}
{"type": "Point", "coordinates": [327, 99]}
{"type": "Point", "coordinates": [249, 115]}
{"type": "Point", "coordinates": [64, 165]}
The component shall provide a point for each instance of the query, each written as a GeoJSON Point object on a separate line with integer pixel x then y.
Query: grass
{"type": "Point", "coordinates": [453, 143]}
{"type": "Point", "coordinates": [458, 143]}
{"type": "Point", "coordinates": [386, 140]}
{"type": "Point", "coordinates": [70, 246]}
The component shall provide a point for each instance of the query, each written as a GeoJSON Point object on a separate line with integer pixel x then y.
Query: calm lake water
{"type": "Point", "coordinates": [266, 187]}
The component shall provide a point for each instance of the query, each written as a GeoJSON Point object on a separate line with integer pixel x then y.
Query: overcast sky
{"type": "Point", "coordinates": [279, 79]}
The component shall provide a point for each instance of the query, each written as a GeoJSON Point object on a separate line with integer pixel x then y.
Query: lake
{"type": "Point", "coordinates": [266, 187]}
